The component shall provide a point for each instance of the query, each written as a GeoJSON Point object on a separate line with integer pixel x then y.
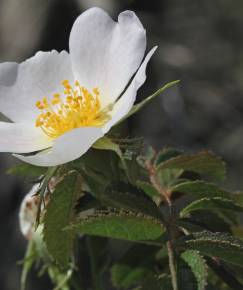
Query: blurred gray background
{"type": "Point", "coordinates": [200, 43]}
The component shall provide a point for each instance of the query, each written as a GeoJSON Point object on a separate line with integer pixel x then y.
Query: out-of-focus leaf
{"type": "Point", "coordinates": [204, 220]}
{"type": "Point", "coordinates": [165, 155]}
{"type": "Point", "coordinates": [200, 189]}
{"type": "Point", "coordinates": [211, 204]}
{"type": "Point", "coordinates": [28, 262]}
{"type": "Point", "coordinates": [59, 278]}
{"type": "Point", "coordinates": [59, 213]}
{"type": "Point", "coordinates": [120, 225]}
{"type": "Point", "coordinates": [186, 278]}
{"type": "Point", "coordinates": [28, 170]}
{"type": "Point", "coordinates": [148, 155]}
{"type": "Point", "coordinates": [204, 163]}
{"type": "Point", "coordinates": [169, 177]}
{"type": "Point", "coordinates": [225, 274]}
{"type": "Point", "coordinates": [220, 245]}
{"type": "Point", "coordinates": [105, 143]}
{"type": "Point", "coordinates": [198, 267]}
{"type": "Point", "coordinates": [124, 276]}
{"type": "Point", "coordinates": [154, 282]}
{"type": "Point", "coordinates": [148, 188]}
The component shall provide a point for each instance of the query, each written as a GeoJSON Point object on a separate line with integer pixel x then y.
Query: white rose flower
{"type": "Point", "coordinates": [61, 103]}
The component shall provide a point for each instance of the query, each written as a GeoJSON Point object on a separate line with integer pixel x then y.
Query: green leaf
{"type": "Point", "coordinates": [200, 189]}
{"type": "Point", "coordinates": [223, 246]}
{"type": "Point", "coordinates": [124, 276]}
{"type": "Point", "coordinates": [26, 169]}
{"type": "Point", "coordinates": [148, 188]}
{"type": "Point", "coordinates": [59, 213]}
{"type": "Point", "coordinates": [105, 143]}
{"type": "Point", "coordinates": [186, 278]}
{"type": "Point", "coordinates": [120, 225]}
{"type": "Point", "coordinates": [198, 267]}
{"type": "Point", "coordinates": [129, 197]}
{"type": "Point", "coordinates": [140, 105]}
{"type": "Point", "coordinates": [162, 282]}
{"type": "Point", "coordinates": [169, 177]}
{"type": "Point", "coordinates": [204, 219]}
{"type": "Point", "coordinates": [204, 163]}
{"type": "Point", "coordinates": [211, 204]}
{"type": "Point", "coordinates": [226, 274]}
{"type": "Point", "coordinates": [30, 257]}
{"type": "Point", "coordinates": [59, 278]}
{"type": "Point", "coordinates": [165, 155]}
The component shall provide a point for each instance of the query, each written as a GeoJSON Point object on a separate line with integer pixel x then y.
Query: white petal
{"type": "Point", "coordinates": [8, 73]}
{"type": "Point", "coordinates": [66, 148]}
{"type": "Point", "coordinates": [22, 138]}
{"type": "Point", "coordinates": [21, 85]}
{"type": "Point", "coordinates": [104, 53]}
{"type": "Point", "coordinates": [125, 103]}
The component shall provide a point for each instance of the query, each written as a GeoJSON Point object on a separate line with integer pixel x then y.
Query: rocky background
{"type": "Point", "coordinates": [200, 43]}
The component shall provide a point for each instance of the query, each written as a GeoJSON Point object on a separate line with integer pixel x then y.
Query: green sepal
{"type": "Point", "coordinates": [140, 105]}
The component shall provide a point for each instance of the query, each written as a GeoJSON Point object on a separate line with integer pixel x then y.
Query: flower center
{"type": "Point", "coordinates": [78, 108]}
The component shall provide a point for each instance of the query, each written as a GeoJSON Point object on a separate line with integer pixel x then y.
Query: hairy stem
{"type": "Point", "coordinates": [172, 265]}
{"type": "Point", "coordinates": [170, 227]}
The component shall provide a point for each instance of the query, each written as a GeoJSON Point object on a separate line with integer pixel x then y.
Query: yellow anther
{"type": "Point", "coordinates": [65, 82]}
{"type": "Point", "coordinates": [38, 123]}
{"type": "Point", "coordinates": [56, 96]}
{"type": "Point", "coordinates": [96, 91]}
{"type": "Point", "coordinates": [67, 92]}
{"type": "Point", "coordinates": [39, 105]}
{"type": "Point", "coordinates": [55, 101]}
{"type": "Point", "coordinates": [69, 99]}
{"type": "Point", "coordinates": [81, 108]}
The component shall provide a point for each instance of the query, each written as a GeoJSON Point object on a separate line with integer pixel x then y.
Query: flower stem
{"type": "Point", "coordinates": [172, 265]}
{"type": "Point", "coordinates": [170, 224]}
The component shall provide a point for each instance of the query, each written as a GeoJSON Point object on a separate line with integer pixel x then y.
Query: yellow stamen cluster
{"type": "Point", "coordinates": [77, 107]}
